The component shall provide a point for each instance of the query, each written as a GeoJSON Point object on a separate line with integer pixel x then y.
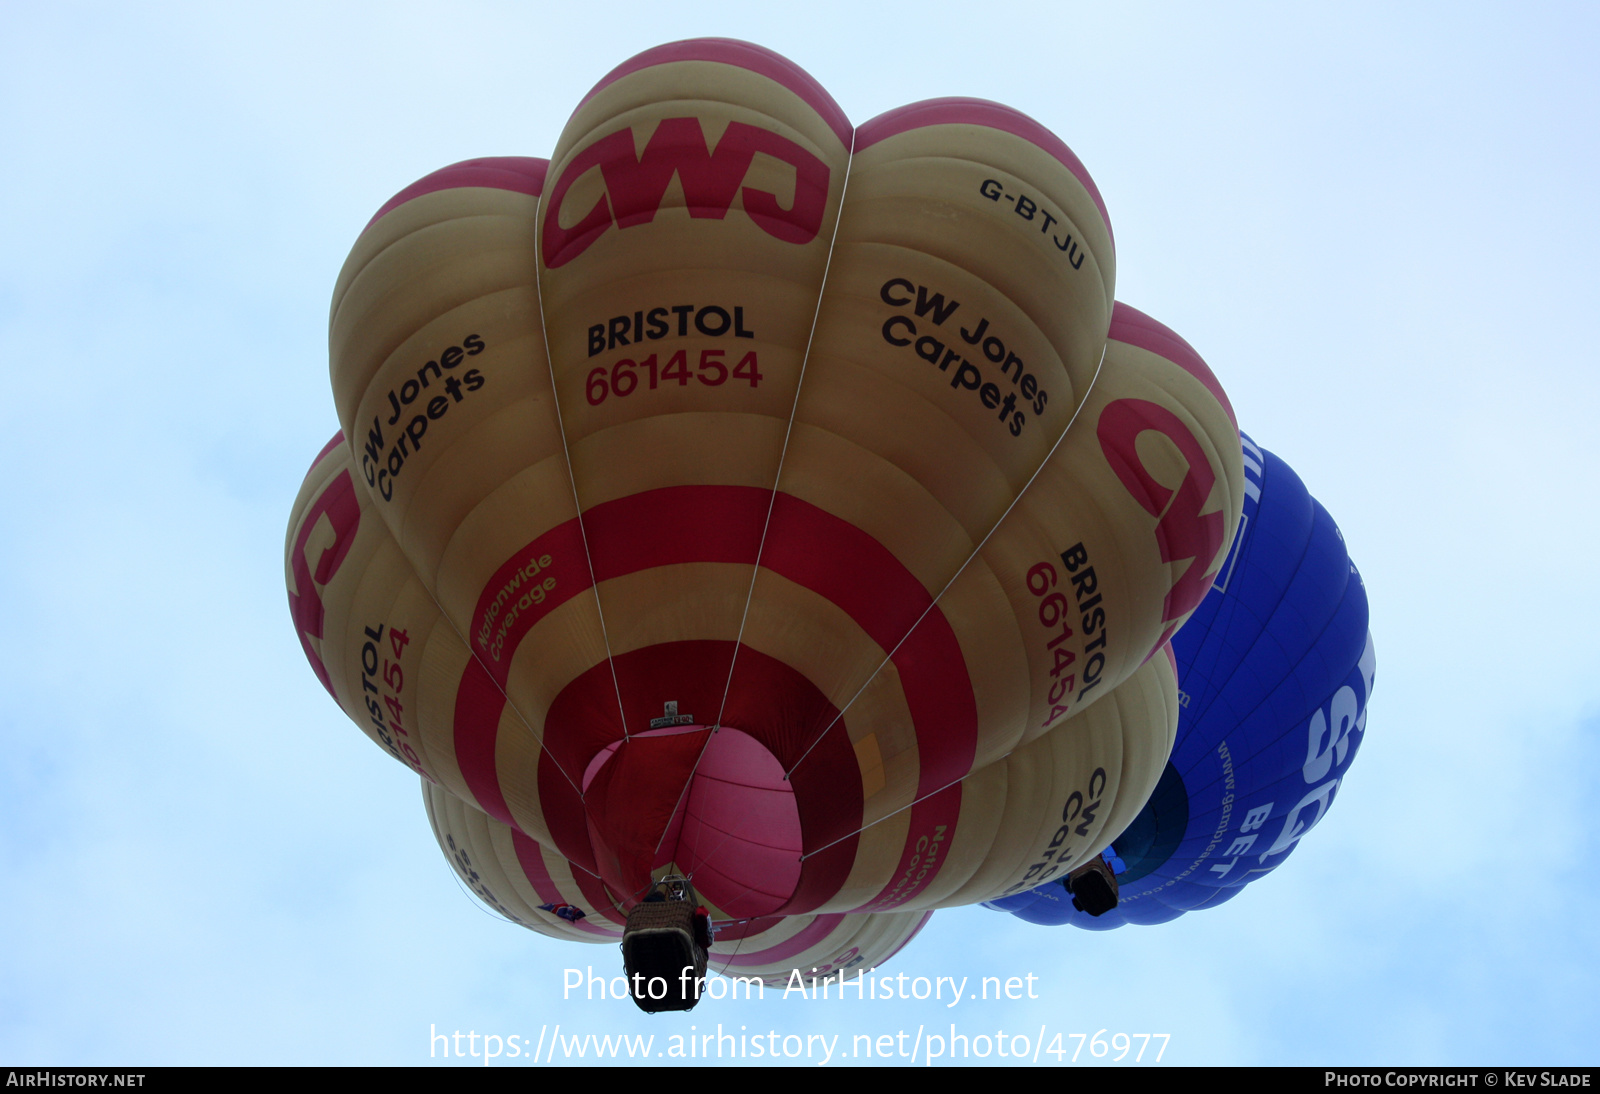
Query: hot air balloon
{"type": "Point", "coordinates": [1275, 670]}
{"type": "Point", "coordinates": [747, 497]}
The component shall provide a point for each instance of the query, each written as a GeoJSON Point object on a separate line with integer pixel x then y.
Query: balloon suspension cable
{"type": "Point", "coordinates": [788, 430]}
{"type": "Point", "coordinates": [932, 604]}
{"type": "Point", "coordinates": [682, 792]}
{"type": "Point", "coordinates": [739, 895]}
{"type": "Point", "coordinates": [572, 479]}
{"type": "Point", "coordinates": [777, 477]}
{"type": "Point", "coordinates": [477, 901]}
{"type": "Point", "coordinates": [588, 561]}
{"type": "Point", "coordinates": [740, 944]}
{"type": "Point", "coordinates": [880, 820]}
{"type": "Point", "coordinates": [576, 867]}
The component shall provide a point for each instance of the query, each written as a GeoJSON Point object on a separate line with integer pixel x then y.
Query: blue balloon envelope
{"type": "Point", "coordinates": [1274, 672]}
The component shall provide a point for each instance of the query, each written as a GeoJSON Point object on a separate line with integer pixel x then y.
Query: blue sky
{"type": "Point", "coordinates": [1379, 229]}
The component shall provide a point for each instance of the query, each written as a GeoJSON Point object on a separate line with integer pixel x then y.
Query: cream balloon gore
{"type": "Point", "coordinates": [901, 330]}
{"type": "Point", "coordinates": [748, 496]}
{"type": "Point", "coordinates": [389, 443]}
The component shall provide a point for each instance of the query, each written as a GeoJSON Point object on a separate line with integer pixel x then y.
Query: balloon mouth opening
{"type": "Point", "coordinates": [708, 802]}
{"type": "Point", "coordinates": [605, 755]}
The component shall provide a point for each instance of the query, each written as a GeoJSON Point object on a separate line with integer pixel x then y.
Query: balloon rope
{"type": "Point", "coordinates": [742, 939]}
{"type": "Point", "coordinates": [577, 504]}
{"type": "Point", "coordinates": [885, 817]}
{"type": "Point", "coordinates": [788, 431]}
{"type": "Point", "coordinates": [689, 872]}
{"type": "Point", "coordinates": [839, 717]}
{"type": "Point", "coordinates": [616, 905]}
{"type": "Point", "coordinates": [588, 561]}
{"type": "Point", "coordinates": [576, 786]}
{"type": "Point", "coordinates": [478, 903]}
{"type": "Point", "coordinates": [474, 898]}
{"type": "Point", "coordinates": [748, 918]}
{"type": "Point", "coordinates": [772, 500]}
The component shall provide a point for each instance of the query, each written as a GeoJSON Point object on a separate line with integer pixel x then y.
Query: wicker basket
{"type": "Point", "coordinates": [659, 948]}
{"type": "Point", "coordinates": [1093, 887]}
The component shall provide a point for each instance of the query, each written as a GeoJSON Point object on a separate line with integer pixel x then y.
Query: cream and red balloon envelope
{"type": "Point", "coordinates": [746, 494]}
